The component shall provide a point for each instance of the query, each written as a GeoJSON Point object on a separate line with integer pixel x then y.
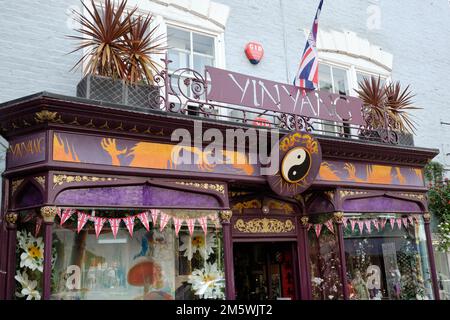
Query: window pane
{"type": "Point", "coordinates": [340, 81]}
{"type": "Point", "coordinates": [201, 61]}
{"type": "Point", "coordinates": [325, 78]}
{"type": "Point", "coordinates": [179, 59]}
{"type": "Point", "coordinates": [178, 39]}
{"type": "Point", "coordinates": [203, 44]}
{"type": "Point", "coordinates": [361, 76]}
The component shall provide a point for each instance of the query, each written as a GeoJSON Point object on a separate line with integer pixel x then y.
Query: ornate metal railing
{"type": "Point", "coordinates": [185, 91]}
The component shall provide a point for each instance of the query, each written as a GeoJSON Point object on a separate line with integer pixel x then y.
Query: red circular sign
{"type": "Point", "coordinates": [254, 52]}
{"type": "Point", "coordinates": [261, 122]}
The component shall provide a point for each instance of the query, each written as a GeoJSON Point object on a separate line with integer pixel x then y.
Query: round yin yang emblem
{"type": "Point", "coordinates": [299, 158]}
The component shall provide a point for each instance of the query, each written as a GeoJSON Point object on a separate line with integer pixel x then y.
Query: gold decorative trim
{"type": "Point", "coordinates": [251, 204]}
{"type": "Point", "coordinates": [49, 214]}
{"type": "Point", "coordinates": [134, 130]}
{"type": "Point", "coordinates": [330, 195]}
{"type": "Point", "coordinates": [90, 124]}
{"type": "Point", "coordinates": [417, 196]}
{"type": "Point", "coordinates": [307, 197]}
{"type": "Point", "coordinates": [346, 193]}
{"type": "Point", "coordinates": [60, 179]}
{"type": "Point", "coordinates": [264, 226]}
{"type": "Point", "coordinates": [120, 127]}
{"type": "Point", "coordinates": [427, 217]}
{"type": "Point", "coordinates": [220, 188]}
{"type": "Point", "coordinates": [338, 216]}
{"type": "Point", "coordinates": [15, 184]}
{"type": "Point", "coordinates": [47, 116]}
{"type": "Point", "coordinates": [226, 215]}
{"type": "Point", "coordinates": [40, 180]}
{"type": "Point", "coordinates": [11, 217]}
{"type": "Point", "coordinates": [279, 205]}
{"type": "Point", "coordinates": [304, 221]}
{"type": "Point", "coordinates": [75, 122]}
{"type": "Point", "coordinates": [234, 194]}
{"type": "Point", "coordinates": [104, 126]}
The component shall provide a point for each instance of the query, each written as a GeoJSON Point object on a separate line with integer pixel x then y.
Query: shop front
{"type": "Point", "coordinates": [96, 205]}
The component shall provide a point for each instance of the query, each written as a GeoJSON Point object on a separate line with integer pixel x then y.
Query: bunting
{"type": "Point", "coordinates": [177, 222]}
{"type": "Point", "coordinates": [114, 223]}
{"type": "Point", "coordinates": [129, 223]}
{"type": "Point", "coordinates": [143, 217]}
{"type": "Point", "coordinates": [82, 219]}
{"type": "Point", "coordinates": [98, 225]}
{"type": "Point", "coordinates": [203, 223]}
{"type": "Point", "coordinates": [66, 214]}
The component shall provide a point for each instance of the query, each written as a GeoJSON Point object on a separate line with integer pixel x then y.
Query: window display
{"type": "Point", "coordinates": [386, 257]}
{"type": "Point", "coordinates": [158, 264]}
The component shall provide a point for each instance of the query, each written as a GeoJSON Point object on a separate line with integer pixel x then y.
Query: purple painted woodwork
{"type": "Point", "coordinates": [244, 90]}
{"type": "Point", "coordinates": [11, 269]}
{"type": "Point", "coordinates": [303, 263]}
{"type": "Point", "coordinates": [434, 279]}
{"type": "Point", "coordinates": [137, 196]}
{"type": "Point", "coordinates": [29, 196]}
{"type": "Point", "coordinates": [26, 150]}
{"type": "Point", "coordinates": [380, 204]}
{"type": "Point", "coordinates": [230, 291]}
{"type": "Point", "coordinates": [320, 205]}
{"type": "Point", "coordinates": [47, 274]}
{"type": "Point", "coordinates": [343, 267]}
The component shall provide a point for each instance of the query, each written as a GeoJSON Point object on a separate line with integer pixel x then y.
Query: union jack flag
{"type": "Point", "coordinates": [308, 73]}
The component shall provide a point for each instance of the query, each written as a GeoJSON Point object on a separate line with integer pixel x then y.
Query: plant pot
{"type": "Point", "coordinates": [117, 91]}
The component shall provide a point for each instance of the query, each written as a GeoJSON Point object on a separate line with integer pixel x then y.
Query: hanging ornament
{"type": "Point", "coordinates": [114, 223]}
{"type": "Point", "coordinates": [129, 223]}
{"type": "Point", "coordinates": [98, 225]}
{"type": "Point", "coordinates": [361, 226]}
{"type": "Point", "coordinates": [143, 217]}
{"type": "Point", "coordinates": [82, 219]}
{"type": "Point", "coordinates": [392, 222]}
{"type": "Point", "coordinates": [318, 228]}
{"type": "Point", "coordinates": [204, 224]}
{"type": "Point", "coordinates": [190, 223]}
{"type": "Point", "coordinates": [368, 223]}
{"type": "Point", "coordinates": [177, 223]}
{"type": "Point", "coordinates": [164, 219]}
{"type": "Point", "coordinates": [353, 223]}
{"type": "Point", "coordinates": [154, 216]}
{"type": "Point", "coordinates": [329, 225]}
{"type": "Point", "coordinates": [66, 214]}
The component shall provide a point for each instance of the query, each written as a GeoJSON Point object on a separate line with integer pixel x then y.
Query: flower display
{"type": "Point", "coordinates": [198, 243]}
{"type": "Point", "coordinates": [28, 287]}
{"type": "Point", "coordinates": [208, 283]}
{"type": "Point", "coordinates": [32, 256]}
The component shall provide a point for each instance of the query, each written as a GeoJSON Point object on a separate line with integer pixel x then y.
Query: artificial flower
{"type": "Point", "coordinates": [208, 283]}
{"type": "Point", "coordinates": [28, 287]}
{"type": "Point", "coordinates": [198, 242]}
{"type": "Point", "coordinates": [32, 256]}
{"type": "Point", "coordinates": [317, 281]}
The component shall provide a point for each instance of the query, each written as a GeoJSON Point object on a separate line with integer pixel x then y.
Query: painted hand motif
{"type": "Point", "coordinates": [110, 146]}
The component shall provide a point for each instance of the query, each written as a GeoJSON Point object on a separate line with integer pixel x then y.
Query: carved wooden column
{"type": "Point", "coordinates": [434, 280]}
{"type": "Point", "coordinates": [303, 259]}
{"type": "Point", "coordinates": [338, 216]}
{"type": "Point", "coordinates": [48, 215]}
{"type": "Point", "coordinates": [11, 227]}
{"type": "Point", "coordinates": [225, 218]}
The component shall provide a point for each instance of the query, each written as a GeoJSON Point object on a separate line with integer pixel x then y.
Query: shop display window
{"type": "Point", "coordinates": [386, 256]}
{"type": "Point", "coordinates": [324, 259]}
{"type": "Point", "coordinates": [150, 265]}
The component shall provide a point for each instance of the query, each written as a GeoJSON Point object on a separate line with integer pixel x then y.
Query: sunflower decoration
{"type": "Point", "coordinates": [32, 256]}
{"type": "Point", "coordinates": [198, 242]}
{"type": "Point", "coordinates": [208, 282]}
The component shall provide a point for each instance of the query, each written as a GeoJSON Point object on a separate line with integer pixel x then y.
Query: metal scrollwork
{"type": "Point", "coordinates": [264, 226]}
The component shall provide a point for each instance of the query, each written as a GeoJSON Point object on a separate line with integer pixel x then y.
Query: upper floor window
{"type": "Point", "coordinates": [333, 79]}
{"type": "Point", "coordinates": [188, 49]}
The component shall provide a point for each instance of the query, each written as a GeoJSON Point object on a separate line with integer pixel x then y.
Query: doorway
{"type": "Point", "coordinates": [264, 271]}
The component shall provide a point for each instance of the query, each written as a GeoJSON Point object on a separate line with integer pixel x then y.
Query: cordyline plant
{"type": "Point", "coordinates": [387, 104]}
{"type": "Point", "coordinates": [119, 43]}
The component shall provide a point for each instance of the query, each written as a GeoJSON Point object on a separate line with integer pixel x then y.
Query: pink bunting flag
{"type": "Point", "coordinates": [129, 223]}
{"type": "Point", "coordinates": [353, 223]}
{"type": "Point", "coordinates": [368, 223]}
{"type": "Point", "coordinates": [154, 216]}
{"type": "Point", "coordinates": [82, 219]}
{"type": "Point", "coordinates": [114, 223]}
{"type": "Point", "coordinates": [345, 222]}
{"type": "Point", "coordinates": [203, 223]}
{"type": "Point", "coordinates": [392, 222]}
{"type": "Point", "coordinates": [66, 214]}
{"type": "Point", "coordinates": [59, 213]}
{"type": "Point", "coordinates": [383, 223]}
{"type": "Point", "coordinates": [309, 226]}
{"type": "Point", "coordinates": [318, 228]}
{"type": "Point", "coordinates": [329, 225]}
{"type": "Point", "coordinates": [405, 222]}
{"type": "Point", "coordinates": [143, 217]}
{"type": "Point", "coordinates": [361, 226]}
{"type": "Point", "coordinates": [98, 225]}
{"type": "Point", "coordinates": [411, 220]}
{"type": "Point", "coordinates": [191, 224]}
{"type": "Point", "coordinates": [164, 219]}
{"type": "Point", "coordinates": [376, 224]}
{"type": "Point", "coordinates": [177, 223]}
{"type": "Point", "coordinates": [399, 222]}
{"type": "Point", "coordinates": [215, 220]}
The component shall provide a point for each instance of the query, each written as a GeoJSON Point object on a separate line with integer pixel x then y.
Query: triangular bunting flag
{"type": "Point", "coordinates": [191, 224]}
{"type": "Point", "coordinates": [399, 223]}
{"type": "Point", "coordinates": [309, 226]}
{"type": "Point", "coordinates": [143, 217]}
{"type": "Point", "coordinates": [164, 219]}
{"type": "Point", "coordinates": [405, 222]}
{"type": "Point", "coordinates": [376, 224]}
{"type": "Point", "coordinates": [154, 213]}
{"type": "Point", "coordinates": [383, 223]}
{"type": "Point", "coordinates": [411, 220]}
{"type": "Point", "coordinates": [345, 222]}
{"type": "Point", "coordinates": [177, 223]}
{"type": "Point", "coordinates": [318, 228]}
{"type": "Point", "coordinates": [82, 219]}
{"type": "Point", "coordinates": [114, 223]}
{"type": "Point", "coordinates": [392, 222]}
{"type": "Point", "coordinates": [204, 223]}
{"type": "Point", "coordinates": [329, 225]}
{"type": "Point", "coordinates": [361, 226]}
{"type": "Point", "coordinates": [353, 223]}
{"type": "Point", "coordinates": [66, 214]}
{"type": "Point", "coordinates": [129, 223]}
{"type": "Point", "coordinates": [98, 225]}
{"type": "Point", "coordinates": [368, 223]}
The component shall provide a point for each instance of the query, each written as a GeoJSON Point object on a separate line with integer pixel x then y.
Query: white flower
{"type": "Point", "coordinates": [197, 242]}
{"type": "Point", "coordinates": [28, 287]}
{"type": "Point", "coordinates": [33, 253]}
{"type": "Point", "coordinates": [208, 283]}
{"type": "Point", "coordinates": [317, 280]}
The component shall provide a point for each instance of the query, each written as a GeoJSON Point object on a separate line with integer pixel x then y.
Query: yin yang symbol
{"type": "Point", "coordinates": [295, 165]}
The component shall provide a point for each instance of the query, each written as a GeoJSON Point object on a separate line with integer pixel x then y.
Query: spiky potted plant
{"type": "Point", "coordinates": [117, 50]}
{"type": "Point", "coordinates": [386, 108]}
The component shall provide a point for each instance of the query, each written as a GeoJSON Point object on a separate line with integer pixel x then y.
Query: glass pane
{"type": "Point", "coordinates": [325, 78]}
{"type": "Point", "coordinates": [361, 76]}
{"type": "Point", "coordinates": [340, 81]}
{"type": "Point", "coordinates": [179, 59]}
{"type": "Point", "coordinates": [203, 44]}
{"type": "Point", "coordinates": [179, 39]}
{"type": "Point", "coordinates": [387, 258]}
{"type": "Point", "coordinates": [200, 62]}
{"type": "Point", "coordinates": [151, 265]}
